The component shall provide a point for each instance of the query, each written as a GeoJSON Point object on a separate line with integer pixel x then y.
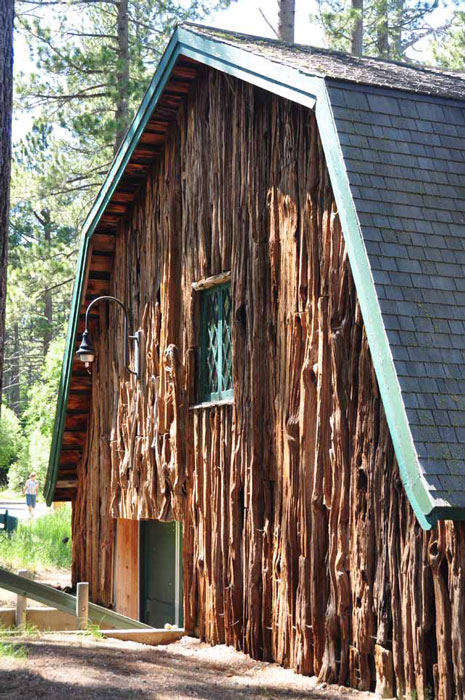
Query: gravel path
{"type": "Point", "coordinates": [73, 667]}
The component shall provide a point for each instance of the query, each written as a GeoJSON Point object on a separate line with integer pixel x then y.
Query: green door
{"type": "Point", "coordinates": [161, 573]}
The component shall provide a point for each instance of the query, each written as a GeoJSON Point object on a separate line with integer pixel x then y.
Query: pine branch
{"type": "Point", "coordinates": [21, 233]}
{"type": "Point", "coordinates": [90, 185]}
{"type": "Point", "coordinates": [268, 23]}
{"type": "Point", "coordinates": [138, 23]}
{"type": "Point", "coordinates": [430, 31]}
{"type": "Point", "coordinates": [114, 37]}
{"type": "Point", "coordinates": [66, 59]}
{"type": "Point", "coordinates": [78, 95]}
{"type": "Point", "coordinates": [55, 286]}
{"type": "Point", "coordinates": [99, 169]}
{"type": "Point", "coordinates": [44, 3]}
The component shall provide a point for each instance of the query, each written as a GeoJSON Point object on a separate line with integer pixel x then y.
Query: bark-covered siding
{"type": "Point", "coordinates": [300, 544]}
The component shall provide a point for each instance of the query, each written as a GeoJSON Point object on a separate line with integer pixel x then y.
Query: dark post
{"type": "Point", "coordinates": [6, 93]}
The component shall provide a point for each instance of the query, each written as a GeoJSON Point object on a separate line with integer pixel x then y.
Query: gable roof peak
{"type": "Point", "coordinates": [332, 64]}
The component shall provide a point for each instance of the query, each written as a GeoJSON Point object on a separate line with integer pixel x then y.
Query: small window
{"type": "Point", "coordinates": [216, 347]}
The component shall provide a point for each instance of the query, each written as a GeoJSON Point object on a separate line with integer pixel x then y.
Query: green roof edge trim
{"type": "Point", "coordinates": [63, 387]}
{"type": "Point", "coordinates": [383, 362]}
{"type": "Point", "coordinates": [282, 80]}
{"type": "Point", "coordinates": [310, 91]}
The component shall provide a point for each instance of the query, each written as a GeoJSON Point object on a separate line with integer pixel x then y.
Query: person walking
{"type": "Point", "coordinates": [30, 489]}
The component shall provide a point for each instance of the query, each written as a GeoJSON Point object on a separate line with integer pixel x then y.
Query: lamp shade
{"type": "Point", "coordinates": [86, 352]}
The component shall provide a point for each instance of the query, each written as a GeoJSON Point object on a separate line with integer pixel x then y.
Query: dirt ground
{"type": "Point", "coordinates": [73, 667]}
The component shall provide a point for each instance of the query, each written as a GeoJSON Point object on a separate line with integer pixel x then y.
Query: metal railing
{"type": "Point", "coordinates": [65, 601]}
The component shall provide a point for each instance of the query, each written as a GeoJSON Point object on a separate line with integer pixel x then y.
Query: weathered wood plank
{"type": "Point", "coordinates": [127, 568]}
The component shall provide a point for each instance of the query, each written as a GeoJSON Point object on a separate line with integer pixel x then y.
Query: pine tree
{"type": "Point", "coordinates": [43, 244]}
{"type": "Point", "coordinates": [94, 62]}
{"type": "Point", "coordinates": [449, 50]}
{"type": "Point", "coordinates": [383, 28]}
{"type": "Point", "coordinates": [41, 272]}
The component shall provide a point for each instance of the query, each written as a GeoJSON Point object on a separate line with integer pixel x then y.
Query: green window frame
{"type": "Point", "coordinates": [216, 343]}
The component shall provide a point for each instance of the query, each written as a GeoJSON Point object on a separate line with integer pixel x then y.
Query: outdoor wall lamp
{"type": "Point", "coordinates": [86, 352]}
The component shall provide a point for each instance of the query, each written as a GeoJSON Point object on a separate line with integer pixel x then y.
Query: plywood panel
{"type": "Point", "coordinates": [127, 568]}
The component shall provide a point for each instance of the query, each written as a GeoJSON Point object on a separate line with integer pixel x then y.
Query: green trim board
{"type": "Point", "coordinates": [376, 333]}
{"type": "Point", "coordinates": [303, 87]}
{"type": "Point", "coordinates": [275, 77]}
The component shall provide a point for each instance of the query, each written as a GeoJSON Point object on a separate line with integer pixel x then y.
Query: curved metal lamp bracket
{"type": "Point", "coordinates": [136, 337]}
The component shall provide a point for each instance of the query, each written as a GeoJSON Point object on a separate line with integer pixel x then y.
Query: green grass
{"type": "Point", "coordinates": [12, 649]}
{"type": "Point", "coordinates": [93, 630]}
{"type": "Point", "coordinates": [27, 630]}
{"type": "Point", "coordinates": [9, 647]}
{"type": "Point", "coordinates": [39, 543]}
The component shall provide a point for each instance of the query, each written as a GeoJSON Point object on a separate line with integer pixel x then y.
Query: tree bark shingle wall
{"type": "Point", "coordinates": [299, 542]}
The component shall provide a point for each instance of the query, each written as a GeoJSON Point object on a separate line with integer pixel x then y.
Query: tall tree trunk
{"type": "Point", "coordinates": [356, 42]}
{"type": "Point", "coordinates": [15, 373]}
{"type": "Point", "coordinates": [45, 219]}
{"type": "Point", "coordinates": [48, 306]}
{"type": "Point", "coordinates": [122, 109]}
{"type": "Point", "coordinates": [286, 20]}
{"type": "Point", "coordinates": [6, 93]}
{"type": "Point", "coordinates": [396, 31]}
{"type": "Point", "coordinates": [382, 29]}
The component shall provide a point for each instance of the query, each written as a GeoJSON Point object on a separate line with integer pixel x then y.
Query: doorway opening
{"type": "Point", "coordinates": [161, 574]}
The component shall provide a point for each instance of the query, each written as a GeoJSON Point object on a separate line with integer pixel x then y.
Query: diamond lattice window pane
{"type": "Point", "coordinates": [226, 340]}
{"type": "Point", "coordinates": [216, 351]}
{"type": "Point", "coordinates": [212, 342]}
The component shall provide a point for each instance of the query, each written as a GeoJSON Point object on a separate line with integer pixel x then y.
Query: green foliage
{"type": "Point", "coordinates": [390, 27]}
{"type": "Point", "coordinates": [38, 419]}
{"type": "Point", "coordinates": [11, 438]}
{"type": "Point", "coordinates": [93, 630]}
{"type": "Point", "coordinates": [33, 457]}
{"type": "Point", "coordinates": [449, 51]}
{"type": "Point", "coordinates": [93, 64]}
{"type": "Point", "coordinates": [42, 395]}
{"type": "Point", "coordinates": [29, 630]}
{"type": "Point", "coordinates": [42, 249]}
{"type": "Point", "coordinates": [39, 542]}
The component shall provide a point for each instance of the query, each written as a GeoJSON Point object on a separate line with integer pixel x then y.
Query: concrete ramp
{"type": "Point", "coordinates": [152, 637]}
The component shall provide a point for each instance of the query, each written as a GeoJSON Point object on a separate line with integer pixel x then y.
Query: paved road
{"type": "Point", "coordinates": [18, 509]}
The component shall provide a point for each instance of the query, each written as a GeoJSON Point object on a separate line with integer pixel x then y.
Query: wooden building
{"type": "Point", "coordinates": [286, 227]}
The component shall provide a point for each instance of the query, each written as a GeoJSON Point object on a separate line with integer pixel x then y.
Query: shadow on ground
{"type": "Point", "coordinates": [57, 670]}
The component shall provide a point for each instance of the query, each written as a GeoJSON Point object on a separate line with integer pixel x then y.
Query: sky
{"type": "Point", "coordinates": [247, 16]}
{"type": "Point", "coordinates": [241, 16]}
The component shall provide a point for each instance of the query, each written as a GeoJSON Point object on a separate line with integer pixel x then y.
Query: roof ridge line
{"type": "Point", "coordinates": [310, 48]}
